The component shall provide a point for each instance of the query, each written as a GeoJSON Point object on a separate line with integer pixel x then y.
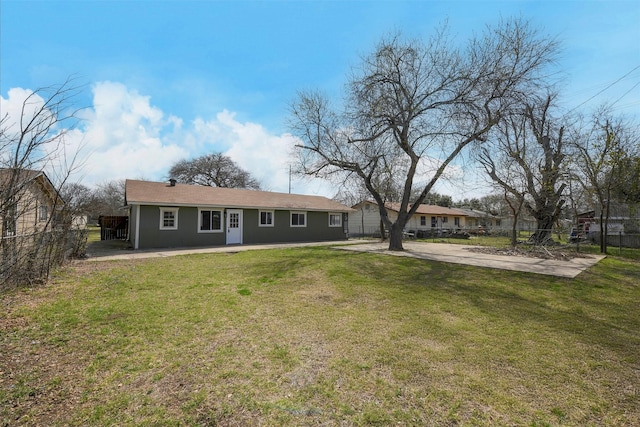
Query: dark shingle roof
{"type": "Point", "coordinates": [159, 193]}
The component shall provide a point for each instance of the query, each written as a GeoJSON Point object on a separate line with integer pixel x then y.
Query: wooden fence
{"type": "Point", "coordinates": [113, 227]}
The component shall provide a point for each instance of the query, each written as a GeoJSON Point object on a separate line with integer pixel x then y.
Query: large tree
{"type": "Point", "coordinates": [526, 158]}
{"type": "Point", "coordinates": [412, 104]}
{"type": "Point", "coordinates": [627, 186]}
{"type": "Point", "coordinates": [601, 161]}
{"type": "Point", "coordinates": [214, 170]}
{"type": "Point", "coordinates": [108, 199]}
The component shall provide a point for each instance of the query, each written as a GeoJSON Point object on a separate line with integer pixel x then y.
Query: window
{"type": "Point", "coordinates": [445, 219]}
{"type": "Point", "coordinates": [9, 227]}
{"type": "Point", "coordinates": [209, 221]}
{"type": "Point", "coordinates": [266, 219]}
{"type": "Point", "coordinates": [168, 218]}
{"type": "Point", "coordinates": [434, 221]}
{"type": "Point", "coordinates": [335, 220]}
{"type": "Point", "coordinates": [298, 219]}
{"type": "Point", "coordinates": [43, 215]}
{"type": "Point", "coordinates": [456, 221]}
{"type": "Point", "coordinates": [10, 221]}
{"type": "Point", "coordinates": [423, 220]}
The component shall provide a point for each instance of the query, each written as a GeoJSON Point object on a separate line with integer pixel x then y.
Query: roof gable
{"type": "Point", "coordinates": [159, 193]}
{"type": "Point", "coordinates": [19, 179]}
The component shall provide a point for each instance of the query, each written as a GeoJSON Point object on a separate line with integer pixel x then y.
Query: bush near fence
{"type": "Point", "coordinates": [29, 259]}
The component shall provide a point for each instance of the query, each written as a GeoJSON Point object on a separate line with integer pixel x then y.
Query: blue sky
{"type": "Point", "coordinates": [170, 80]}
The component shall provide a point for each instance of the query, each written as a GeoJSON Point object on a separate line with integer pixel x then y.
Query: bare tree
{"type": "Point", "coordinates": [515, 203]}
{"type": "Point", "coordinates": [214, 170]}
{"type": "Point", "coordinates": [77, 198]}
{"type": "Point", "coordinates": [412, 107]}
{"type": "Point", "coordinates": [600, 150]}
{"type": "Point", "coordinates": [108, 198]}
{"type": "Point", "coordinates": [33, 140]}
{"type": "Point", "coordinates": [627, 180]}
{"type": "Point", "coordinates": [526, 158]}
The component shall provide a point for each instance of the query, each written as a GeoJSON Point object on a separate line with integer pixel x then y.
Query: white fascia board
{"type": "Point", "coordinates": [205, 205]}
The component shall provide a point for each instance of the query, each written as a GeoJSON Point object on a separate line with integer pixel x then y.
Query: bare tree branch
{"type": "Point", "coordinates": [411, 101]}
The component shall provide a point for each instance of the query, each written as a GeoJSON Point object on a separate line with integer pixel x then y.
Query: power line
{"type": "Point", "coordinates": [626, 93]}
{"type": "Point", "coordinates": [607, 88]}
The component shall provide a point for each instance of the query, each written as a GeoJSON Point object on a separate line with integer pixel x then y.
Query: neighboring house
{"type": "Point", "coordinates": [623, 218]}
{"type": "Point", "coordinates": [623, 226]}
{"type": "Point", "coordinates": [525, 222]}
{"type": "Point", "coordinates": [365, 220]}
{"type": "Point", "coordinates": [28, 202]}
{"type": "Point", "coordinates": [475, 218]}
{"type": "Point", "coordinates": [165, 215]}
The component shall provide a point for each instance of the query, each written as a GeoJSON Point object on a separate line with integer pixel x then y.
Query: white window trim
{"type": "Point", "coordinates": [339, 215]}
{"type": "Point", "coordinates": [220, 230]}
{"type": "Point", "coordinates": [273, 218]}
{"type": "Point", "coordinates": [175, 214]}
{"type": "Point", "coordinates": [299, 213]}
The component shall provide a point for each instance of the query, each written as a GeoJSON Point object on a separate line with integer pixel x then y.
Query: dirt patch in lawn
{"type": "Point", "coordinates": [540, 252]}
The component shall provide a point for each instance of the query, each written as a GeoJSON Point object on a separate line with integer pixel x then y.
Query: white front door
{"type": "Point", "coordinates": [234, 226]}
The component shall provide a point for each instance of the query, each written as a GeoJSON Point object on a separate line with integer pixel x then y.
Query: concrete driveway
{"type": "Point", "coordinates": [461, 254]}
{"type": "Point", "coordinates": [444, 252]}
{"type": "Point", "coordinates": [120, 250]}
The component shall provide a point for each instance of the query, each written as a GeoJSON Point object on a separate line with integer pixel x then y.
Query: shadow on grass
{"type": "Point", "coordinates": [596, 308]}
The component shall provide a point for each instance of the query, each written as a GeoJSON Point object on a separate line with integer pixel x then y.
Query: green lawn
{"type": "Point", "coordinates": [316, 336]}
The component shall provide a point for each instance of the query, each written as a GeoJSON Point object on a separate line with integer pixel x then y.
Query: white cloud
{"type": "Point", "coordinates": [27, 127]}
{"type": "Point", "coordinates": [264, 155]}
{"type": "Point", "coordinates": [123, 135]}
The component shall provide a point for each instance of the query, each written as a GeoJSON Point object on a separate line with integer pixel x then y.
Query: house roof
{"type": "Point", "coordinates": [429, 210]}
{"type": "Point", "coordinates": [423, 209]}
{"type": "Point", "coordinates": [20, 178]}
{"type": "Point", "coordinates": [474, 213]}
{"type": "Point", "coordinates": [163, 194]}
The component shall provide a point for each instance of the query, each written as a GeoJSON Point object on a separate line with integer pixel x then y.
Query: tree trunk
{"type": "Point", "coordinates": [516, 214]}
{"type": "Point", "coordinates": [395, 238]}
{"type": "Point", "coordinates": [514, 231]}
{"type": "Point", "coordinates": [543, 231]}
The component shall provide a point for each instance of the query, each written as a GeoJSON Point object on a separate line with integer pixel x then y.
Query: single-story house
{"type": "Point", "coordinates": [475, 218]}
{"type": "Point", "coordinates": [28, 202]}
{"type": "Point", "coordinates": [163, 215]}
{"type": "Point", "coordinates": [365, 219]}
